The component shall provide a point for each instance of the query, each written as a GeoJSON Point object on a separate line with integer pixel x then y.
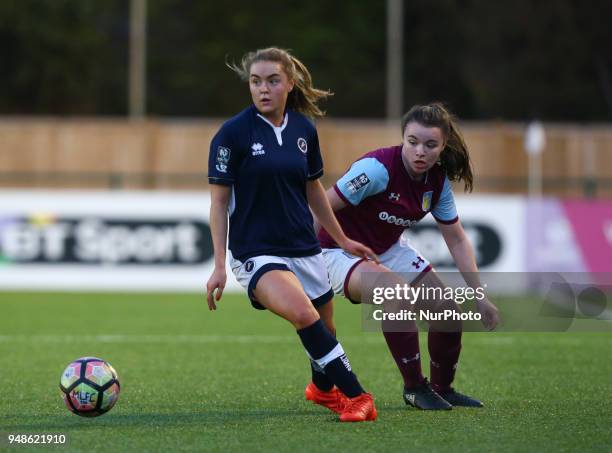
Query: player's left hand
{"type": "Point", "coordinates": [215, 287]}
{"type": "Point", "coordinates": [489, 312]}
{"type": "Point", "coordinates": [358, 249]}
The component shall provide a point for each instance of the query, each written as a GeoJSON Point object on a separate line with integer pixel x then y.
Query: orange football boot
{"type": "Point", "coordinates": [333, 400]}
{"type": "Point", "coordinates": [359, 409]}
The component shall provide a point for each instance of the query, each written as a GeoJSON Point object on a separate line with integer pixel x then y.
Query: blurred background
{"type": "Point", "coordinates": [107, 111]}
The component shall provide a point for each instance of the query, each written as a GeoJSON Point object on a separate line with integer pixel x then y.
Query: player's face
{"type": "Point", "coordinates": [270, 86]}
{"type": "Point", "coordinates": [421, 148]}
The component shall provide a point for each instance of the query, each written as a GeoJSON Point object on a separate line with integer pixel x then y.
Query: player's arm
{"type": "Point", "coordinates": [334, 199]}
{"type": "Point", "coordinates": [222, 159]}
{"type": "Point", "coordinates": [320, 206]}
{"type": "Point", "coordinates": [220, 195]}
{"type": "Point", "coordinates": [462, 252]}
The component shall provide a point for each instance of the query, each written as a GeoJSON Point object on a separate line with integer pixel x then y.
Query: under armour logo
{"type": "Point", "coordinates": [411, 359]}
{"type": "Point", "coordinates": [418, 262]}
{"type": "Point", "coordinates": [394, 196]}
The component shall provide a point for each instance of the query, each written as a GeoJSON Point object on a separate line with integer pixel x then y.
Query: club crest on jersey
{"type": "Point", "coordinates": [302, 144]}
{"type": "Point", "coordinates": [249, 265]}
{"type": "Point", "coordinates": [223, 157]}
{"type": "Point", "coordinates": [357, 183]}
{"type": "Point", "coordinates": [257, 149]}
{"type": "Point", "coordinates": [394, 196]}
{"type": "Point", "coordinates": [426, 203]}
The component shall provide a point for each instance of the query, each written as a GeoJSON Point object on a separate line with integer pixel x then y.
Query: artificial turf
{"type": "Point", "coordinates": [233, 380]}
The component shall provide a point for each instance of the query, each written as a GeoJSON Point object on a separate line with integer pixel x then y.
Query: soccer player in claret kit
{"type": "Point", "coordinates": [264, 166]}
{"type": "Point", "coordinates": [382, 194]}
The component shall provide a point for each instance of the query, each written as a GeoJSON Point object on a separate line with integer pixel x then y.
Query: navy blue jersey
{"type": "Point", "coordinates": [268, 168]}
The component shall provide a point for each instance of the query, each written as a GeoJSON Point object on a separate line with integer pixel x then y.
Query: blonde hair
{"type": "Point", "coordinates": [455, 157]}
{"type": "Point", "coordinates": [304, 97]}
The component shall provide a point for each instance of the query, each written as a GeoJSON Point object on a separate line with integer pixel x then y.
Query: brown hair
{"type": "Point", "coordinates": [455, 157]}
{"type": "Point", "coordinates": [304, 96]}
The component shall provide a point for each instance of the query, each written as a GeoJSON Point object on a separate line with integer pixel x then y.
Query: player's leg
{"type": "Point", "coordinates": [345, 272]}
{"type": "Point", "coordinates": [444, 343]}
{"type": "Point", "coordinates": [313, 276]}
{"type": "Point", "coordinates": [281, 292]}
{"type": "Point", "coordinates": [319, 378]}
{"type": "Point", "coordinates": [444, 337]}
{"type": "Point", "coordinates": [402, 337]}
{"type": "Point", "coordinates": [321, 390]}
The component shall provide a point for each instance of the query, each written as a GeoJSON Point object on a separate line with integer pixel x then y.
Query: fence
{"type": "Point", "coordinates": [172, 154]}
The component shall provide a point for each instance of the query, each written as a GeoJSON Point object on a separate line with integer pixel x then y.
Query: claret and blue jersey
{"type": "Point", "coordinates": [382, 199]}
{"type": "Point", "coordinates": [268, 168]}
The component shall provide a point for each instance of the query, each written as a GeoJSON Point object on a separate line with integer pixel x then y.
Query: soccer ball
{"type": "Point", "coordinates": [90, 387]}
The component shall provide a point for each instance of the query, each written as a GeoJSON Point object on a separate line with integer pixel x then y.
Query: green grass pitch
{"type": "Point", "coordinates": [233, 380]}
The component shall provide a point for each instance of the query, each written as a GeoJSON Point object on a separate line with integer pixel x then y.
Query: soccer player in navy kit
{"type": "Point", "coordinates": [385, 192]}
{"type": "Point", "coordinates": [264, 166]}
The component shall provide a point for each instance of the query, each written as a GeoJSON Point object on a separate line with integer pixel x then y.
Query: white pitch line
{"type": "Point", "coordinates": [370, 339]}
{"type": "Point", "coordinates": [122, 338]}
{"type": "Point", "coordinates": [173, 339]}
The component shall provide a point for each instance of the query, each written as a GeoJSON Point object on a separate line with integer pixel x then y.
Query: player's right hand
{"type": "Point", "coordinates": [358, 249]}
{"type": "Point", "coordinates": [215, 287]}
{"type": "Point", "coordinates": [489, 312]}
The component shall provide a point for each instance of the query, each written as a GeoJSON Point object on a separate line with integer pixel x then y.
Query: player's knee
{"type": "Point", "coordinates": [331, 328]}
{"type": "Point", "coordinates": [304, 317]}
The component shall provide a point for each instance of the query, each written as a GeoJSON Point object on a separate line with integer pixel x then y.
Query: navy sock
{"type": "Point", "coordinates": [319, 378]}
{"type": "Point", "coordinates": [325, 350]}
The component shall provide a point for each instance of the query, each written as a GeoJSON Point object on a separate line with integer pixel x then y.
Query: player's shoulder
{"type": "Point", "coordinates": [238, 123]}
{"type": "Point", "coordinates": [233, 132]}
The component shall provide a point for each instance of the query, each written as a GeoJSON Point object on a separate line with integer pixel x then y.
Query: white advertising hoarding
{"type": "Point", "coordinates": [105, 241]}
{"type": "Point", "coordinates": [155, 241]}
{"type": "Point", "coordinates": [495, 226]}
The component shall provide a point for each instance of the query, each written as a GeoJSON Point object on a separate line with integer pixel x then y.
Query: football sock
{"type": "Point", "coordinates": [404, 347]}
{"type": "Point", "coordinates": [328, 354]}
{"type": "Point", "coordinates": [319, 378]}
{"type": "Point", "coordinates": [444, 349]}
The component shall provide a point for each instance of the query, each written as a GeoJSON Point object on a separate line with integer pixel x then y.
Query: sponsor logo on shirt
{"type": "Point", "coordinates": [257, 149]}
{"type": "Point", "coordinates": [394, 196]}
{"type": "Point", "coordinates": [223, 157]}
{"type": "Point", "coordinates": [302, 145]}
{"type": "Point", "coordinates": [385, 217]}
{"type": "Point", "coordinates": [357, 183]}
{"type": "Point", "coordinates": [426, 203]}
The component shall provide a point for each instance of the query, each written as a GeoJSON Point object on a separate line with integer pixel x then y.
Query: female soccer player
{"type": "Point", "coordinates": [384, 192]}
{"type": "Point", "coordinates": [263, 168]}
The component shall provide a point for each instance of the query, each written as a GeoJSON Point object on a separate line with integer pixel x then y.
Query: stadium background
{"type": "Point", "coordinates": [107, 112]}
